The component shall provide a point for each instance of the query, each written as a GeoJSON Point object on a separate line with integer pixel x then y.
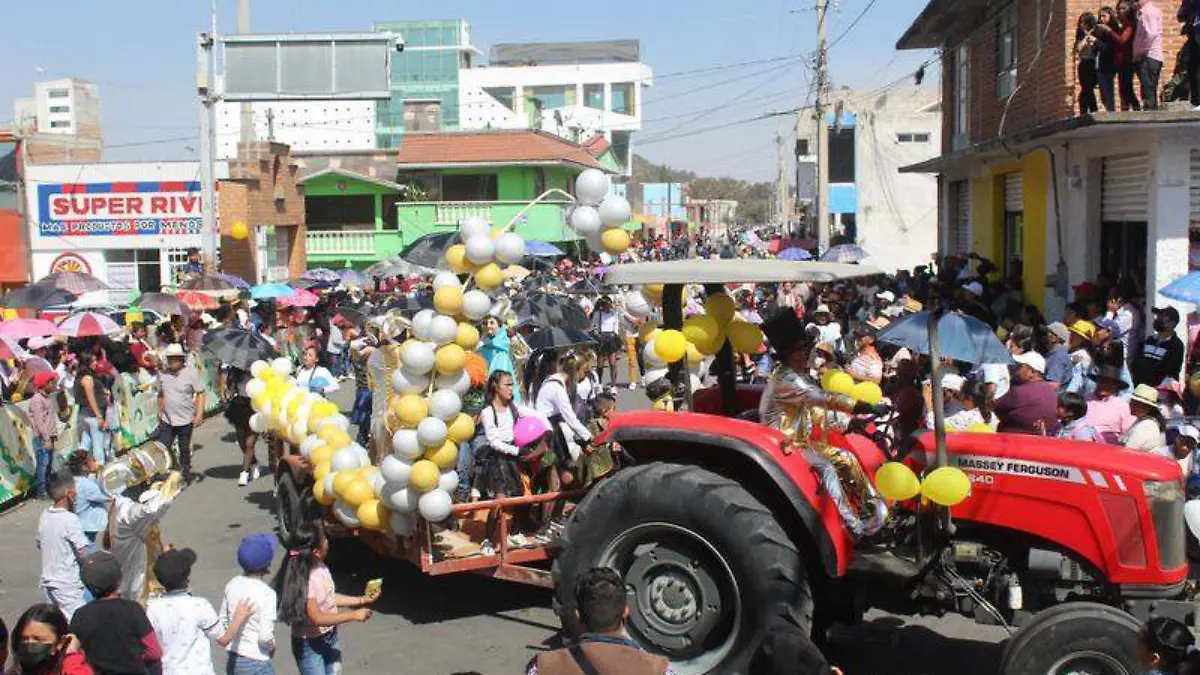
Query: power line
{"type": "Point", "coordinates": [711, 85]}
{"type": "Point", "coordinates": [717, 127]}
{"type": "Point", "coordinates": [853, 23]}
{"type": "Point", "coordinates": [696, 117]}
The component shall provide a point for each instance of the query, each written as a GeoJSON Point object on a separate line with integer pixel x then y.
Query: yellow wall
{"type": "Point", "coordinates": [987, 218]}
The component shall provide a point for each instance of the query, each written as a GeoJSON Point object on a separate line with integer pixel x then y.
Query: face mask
{"type": "Point", "coordinates": [32, 655]}
{"type": "Point", "coordinates": [1160, 326]}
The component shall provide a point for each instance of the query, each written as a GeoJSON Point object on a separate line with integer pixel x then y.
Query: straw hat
{"type": "Point", "coordinates": [1145, 394]}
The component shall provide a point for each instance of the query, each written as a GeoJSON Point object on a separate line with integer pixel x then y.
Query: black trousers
{"type": "Point", "coordinates": [1193, 68]}
{"type": "Point", "coordinates": [1148, 70]}
{"type": "Point", "coordinates": [1087, 86]}
{"type": "Point", "coordinates": [168, 434]}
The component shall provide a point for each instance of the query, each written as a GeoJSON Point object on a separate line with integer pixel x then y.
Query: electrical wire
{"type": "Point", "coordinates": [850, 28]}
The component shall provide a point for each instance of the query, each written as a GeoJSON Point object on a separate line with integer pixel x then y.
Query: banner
{"type": "Point", "coordinates": [119, 209]}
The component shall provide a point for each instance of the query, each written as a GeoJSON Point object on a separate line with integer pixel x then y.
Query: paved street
{"type": "Point", "coordinates": [430, 626]}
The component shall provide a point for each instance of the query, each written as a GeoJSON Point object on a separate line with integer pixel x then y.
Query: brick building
{"type": "Point", "coordinates": [262, 192]}
{"type": "Point", "coordinates": [1054, 197]}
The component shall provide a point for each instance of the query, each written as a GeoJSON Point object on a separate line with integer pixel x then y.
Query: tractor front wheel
{"type": "Point", "coordinates": [706, 565]}
{"type": "Point", "coordinates": [1076, 638]}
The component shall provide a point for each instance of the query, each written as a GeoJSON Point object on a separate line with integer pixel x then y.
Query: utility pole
{"type": "Point", "coordinates": [207, 93]}
{"type": "Point", "coordinates": [247, 109]}
{"type": "Point", "coordinates": [781, 182]}
{"type": "Point", "coordinates": [821, 203]}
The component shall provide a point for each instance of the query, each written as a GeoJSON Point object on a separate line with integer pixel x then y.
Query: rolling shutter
{"type": "Point", "coordinates": [1124, 191]}
{"type": "Point", "coordinates": [1014, 192]}
{"type": "Point", "coordinates": [1194, 191]}
{"type": "Point", "coordinates": [960, 236]}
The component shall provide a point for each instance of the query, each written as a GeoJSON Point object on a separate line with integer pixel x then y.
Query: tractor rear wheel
{"type": "Point", "coordinates": [706, 565]}
{"type": "Point", "coordinates": [289, 509]}
{"type": "Point", "coordinates": [1083, 638]}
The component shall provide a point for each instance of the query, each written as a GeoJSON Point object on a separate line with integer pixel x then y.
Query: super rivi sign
{"type": "Point", "coordinates": [119, 209]}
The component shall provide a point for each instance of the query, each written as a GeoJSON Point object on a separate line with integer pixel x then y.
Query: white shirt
{"type": "Point", "coordinates": [306, 375]}
{"type": "Point", "coordinates": [553, 399]}
{"type": "Point", "coordinates": [256, 639]}
{"type": "Point", "coordinates": [59, 536]}
{"type": "Point", "coordinates": [997, 374]}
{"type": "Point", "coordinates": [606, 322]}
{"type": "Point", "coordinates": [134, 522]}
{"type": "Point", "coordinates": [498, 427]}
{"type": "Point", "coordinates": [184, 624]}
{"type": "Point", "coordinates": [1145, 435]}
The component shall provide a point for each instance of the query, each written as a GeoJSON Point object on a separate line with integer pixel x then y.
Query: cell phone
{"type": "Point", "coordinates": [374, 588]}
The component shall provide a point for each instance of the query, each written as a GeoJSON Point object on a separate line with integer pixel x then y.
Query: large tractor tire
{"type": "Point", "coordinates": [290, 511]}
{"type": "Point", "coordinates": [1083, 638]}
{"type": "Point", "coordinates": [706, 565]}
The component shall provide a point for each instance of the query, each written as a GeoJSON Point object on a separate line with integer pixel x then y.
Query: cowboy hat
{"type": "Point", "coordinates": [174, 350]}
{"type": "Point", "coordinates": [1146, 395]}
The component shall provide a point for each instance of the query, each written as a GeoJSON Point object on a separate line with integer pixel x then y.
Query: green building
{"type": "Point", "coordinates": [364, 207]}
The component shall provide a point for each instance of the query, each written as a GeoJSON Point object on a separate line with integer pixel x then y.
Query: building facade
{"type": "Point", "coordinates": [319, 126]}
{"type": "Point", "coordinates": [1055, 198]}
{"type": "Point", "coordinates": [60, 123]}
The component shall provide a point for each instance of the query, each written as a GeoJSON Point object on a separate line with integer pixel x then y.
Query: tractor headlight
{"type": "Point", "coordinates": [1166, 508]}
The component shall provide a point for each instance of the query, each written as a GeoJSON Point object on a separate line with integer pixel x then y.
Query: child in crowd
{"type": "Point", "coordinates": [601, 461]}
{"type": "Point", "coordinates": [1164, 646]}
{"type": "Point", "coordinates": [43, 418]}
{"type": "Point", "coordinates": [252, 647]}
{"type": "Point", "coordinates": [114, 633]}
{"type": "Point", "coordinates": [43, 645]}
{"type": "Point", "coordinates": [184, 623]}
{"type": "Point", "coordinates": [1072, 408]}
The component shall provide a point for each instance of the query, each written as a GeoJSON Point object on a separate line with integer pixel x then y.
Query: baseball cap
{"type": "Point", "coordinates": [1189, 431]}
{"type": "Point", "coordinates": [1033, 360]}
{"type": "Point", "coordinates": [101, 573]}
{"type": "Point", "coordinates": [43, 377]}
{"type": "Point", "coordinates": [953, 382]}
{"type": "Point", "coordinates": [974, 288]}
{"type": "Point", "coordinates": [255, 552]}
{"type": "Point", "coordinates": [1111, 326]}
{"type": "Point", "coordinates": [886, 296]}
{"type": "Point", "coordinates": [1169, 313]}
{"type": "Point", "coordinates": [1059, 330]}
{"type": "Point", "coordinates": [173, 567]}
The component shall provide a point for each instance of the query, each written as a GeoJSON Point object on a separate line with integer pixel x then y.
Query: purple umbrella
{"type": "Point", "coordinates": [795, 253]}
{"type": "Point", "coordinates": [844, 253]}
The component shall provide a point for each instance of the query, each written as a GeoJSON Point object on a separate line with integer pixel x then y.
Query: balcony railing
{"type": "Point", "coordinates": [453, 213]}
{"type": "Point", "coordinates": [344, 242]}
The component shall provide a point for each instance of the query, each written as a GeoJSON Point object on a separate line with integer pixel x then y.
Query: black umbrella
{"type": "Point", "coordinates": [356, 315]}
{"type": "Point", "coordinates": [238, 348]}
{"type": "Point", "coordinates": [163, 303]}
{"type": "Point", "coordinates": [410, 304]}
{"type": "Point", "coordinates": [590, 285]}
{"type": "Point", "coordinates": [430, 250]}
{"type": "Point", "coordinates": [36, 296]}
{"type": "Point", "coordinates": [555, 338]}
{"type": "Point", "coordinates": [548, 309]}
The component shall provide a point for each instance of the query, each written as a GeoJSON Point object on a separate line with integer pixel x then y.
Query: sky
{"type": "Point", "coordinates": [142, 55]}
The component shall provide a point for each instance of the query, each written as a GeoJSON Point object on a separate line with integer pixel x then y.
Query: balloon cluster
{"type": "Point", "coordinates": [838, 381]}
{"type": "Point", "coordinates": [483, 253]}
{"type": "Point", "coordinates": [701, 335]}
{"type": "Point", "coordinates": [599, 217]}
{"type": "Point", "coordinates": [945, 486]}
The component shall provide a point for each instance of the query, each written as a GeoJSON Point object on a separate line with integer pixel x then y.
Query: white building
{"type": "Point", "coordinates": [306, 126]}
{"type": "Point", "coordinates": [573, 90]}
{"type": "Point", "coordinates": [68, 106]}
{"type": "Point", "coordinates": [128, 224]}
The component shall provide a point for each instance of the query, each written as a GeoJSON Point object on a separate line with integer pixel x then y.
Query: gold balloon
{"type": "Point", "coordinates": [342, 481]}
{"type": "Point", "coordinates": [946, 486]}
{"type": "Point", "coordinates": [446, 457]}
{"type": "Point", "coordinates": [358, 492]}
{"type": "Point", "coordinates": [239, 230]}
{"type": "Point", "coordinates": [410, 409]}
{"type": "Point", "coordinates": [321, 469]}
{"type": "Point", "coordinates": [489, 276]}
{"type": "Point", "coordinates": [981, 428]}
{"type": "Point", "coordinates": [700, 329]}
{"type": "Point", "coordinates": [468, 336]}
{"type": "Point", "coordinates": [461, 428]}
{"type": "Point", "coordinates": [721, 307]}
{"type": "Point", "coordinates": [653, 292]}
{"type": "Point", "coordinates": [424, 475]}
{"type": "Point", "coordinates": [614, 241]}
{"type": "Point", "coordinates": [746, 338]}
{"type": "Point", "coordinates": [373, 515]}
{"type": "Point", "coordinates": [694, 357]}
{"type": "Point", "coordinates": [448, 300]}
{"type": "Point", "coordinates": [319, 493]}
{"type": "Point", "coordinates": [456, 259]}
{"type": "Point", "coordinates": [322, 454]}
{"type": "Point", "coordinates": [337, 439]}
{"type": "Point", "coordinates": [897, 482]}
{"type": "Point", "coordinates": [841, 383]}
{"type": "Point", "coordinates": [670, 346]}
{"type": "Point", "coordinates": [646, 332]}
{"type": "Point", "coordinates": [868, 392]}
{"type": "Point", "coordinates": [450, 359]}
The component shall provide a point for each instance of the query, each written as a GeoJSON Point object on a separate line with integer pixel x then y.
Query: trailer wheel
{"type": "Point", "coordinates": [706, 565]}
{"type": "Point", "coordinates": [1083, 638]}
{"type": "Point", "coordinates": [289, 508]}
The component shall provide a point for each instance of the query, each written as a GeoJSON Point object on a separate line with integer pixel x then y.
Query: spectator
{"type": "Point", "coordinates": [315, 377]}
{"type": "Point", "coordinates": [1164, 645]}
{"type": "Point", "coordinates": [1107, 411]}
{"type": "Point", "coordinates": [1058, 359]}
{"type": "Point", "coordinates": [1079, 342]}
{"type": "Point", "coordinates": [1146, 433]}
{"type": "Point", "coordinates": [253, 647]}
{"type": "Point", "coordinates": [1124, 316]}
{"type": "Point", "coordinates": [1182, 449]}
{"type": "Point", "coordinates": [1189, 16]}
{"type": "Point", "coordinates": [1148, 51]}
{"type": "Point", "coordinates": [967, 405]}
{"type": "Point", "coordinates": [1116, 60]}
{"type": "Point", "coordinates": [1072, 412]}
{"type": "Point", "coordinates": [43, 421]}
{"type": "Point", "coordinates": [604, 647]}
{"type": "Point", "coordinates": [63, 545]}
{"type": "Point", "coordinates": [91, 394]}
{"type": "Point", "coordinates": [114, 632]}
{"type": "Point", "coordinates": [181, 406]}
{"type": "Point", "coordinates": [1162, 353]}
{"type": "Point", "coordinates": [184, 623]}
{"type": "Point", "coordinates": [867, 365]}
{"type": "Point", "coordinates": [43, 645]}
{"type": "Point", "coordinates": [606, 325]}
{"type": "Point", "coordinates": [91, 503]}
{"type": "Point", "coordinates": [336, 348]}
{"type": "Point", "coordinates": [1030, 401]}
{"type": "Point", "coordinates": [1087, 51]}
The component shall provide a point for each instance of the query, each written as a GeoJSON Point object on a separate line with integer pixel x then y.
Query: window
{"type": "Point", "coordinates": [593, 96]}
{"type": "Point", "coordinates": [325, 213]}
{"type": "Point", "coordinates": [133, 270]}
{"type": "Point", "coordinates": [503, 95]}
{"type": "Point", "coordinates": [423, 116]}
{"type": "Point", "coordinates": [469, 188]}
{"type": "Point", "coordinates": [390, 213]}
{"type": "Point", "coordinates": [60, 108]}
{"type": "Point", "coordinates": [622, 98]}
{"type": "Point", "coordinates": [912, 137]}
{"type": "Point", "coordinates": [59, 93]}
{"type": "Point", "coordinates": [60, 125]}
{"type": "Point", "coordinates": [553, 97]}
{"type": "Point", "coordinates": [1006, 51]}
{"type": "Point", "coordinates": [959, 71]}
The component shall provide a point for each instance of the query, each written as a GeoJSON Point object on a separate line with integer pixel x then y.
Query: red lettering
{"type": "Point", "coordinates": [158, 205]}
{"type": "Point", "coordinates": [97, 205]}
{"type": "Point", "coordinates": [116, 206]}
{"type": "Point", "coordinates": [60, 206]}
{"type": "Point", "coordinates": [134, 206]}
{"type": "Point", "coordinates": [189, 204]}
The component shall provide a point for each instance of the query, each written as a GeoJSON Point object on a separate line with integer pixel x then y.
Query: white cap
{"type": "Point", "coordinates": [974, 287]}
{"type": "Point", "coordinates": [173, 349]}
{"type": "Point", "coordinates": [886, 296]}
{"type": "Point", "coordinates": [1190, 431]}
{"type": "Point", "coordinates": [953, 382]}
{"type": "Point", "coordinates": [822, 308]}
{"type": "Point", "coordinates": [1033, 360]}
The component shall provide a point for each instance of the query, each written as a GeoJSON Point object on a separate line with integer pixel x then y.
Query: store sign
{"type": "Point", "coordinates": [70, 262]}
{"type": "Point", "coordinates": [119, 209]}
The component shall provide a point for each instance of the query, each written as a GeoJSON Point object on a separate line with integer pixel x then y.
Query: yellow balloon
{"type": "Point", "coordinates": [446, 457]}
{"type": "Point", "coordinates": [260, 401]}
{"type": "Point", "coordinates": [9, 314]}
{"type": "Point", "coordinates": [322, 454]}
{"type": "Point", "coordinates": [319, 493]}
{"type": "Point", "coordinates": [320, 470]}
{"type": "Point", "coordinates": [897, 482]}
{"type": "Point", "coordinates": [358, 492]}
{"type": "Point", "coordinates": [1194, 384]}
{"type": "Point", "coordinates": [239, 230]}
{"type": "Point", "coordinates": [746, 338]}
{"type": "Point", "coordinates": [720, 306]}
{"type": "Point", "coordinates": [373, 515]}
{"type": "Point", "coordinates": [449, 359]}
{"type": "Point", "coordinates": [489, 276]}
{"type": "Point", "coordinates": [294, 405]}
{"type": "Point", "coordinates": [694, 357]}
{"type": "Point", "coordinates": [653, 291]}
{"type": "Point", "coordinates": [468, 336]}
{"type": "Point", "coordinates": [461, 428]}
{"type": "Point", "coordinates": [981, 428]}
{"type": "Point", "coordinates": [946, 486]}
{"type": "Point", "coordinates": [868, 392]}
{"type": "Point", "coordinates": [614, 241]}
{"type": "Point", "coordinates": [670, 345]}
{"type": "Point", "coordinates": [700, 329]}
{"type": "Point", "coordinates": [410, 409]}
{"type": "Point", "coordinates": [448, 300]}
{"type": "Point", "coordinates": [841, 383]}
{"type": "Point", "coordinates": [424, 475]}
{"type": "Point", "coordinates": [337, 439]}
{"type": "Point", "coordinates": [456, 259]}
{"type": "Point", "coordinates": [342, 481]}
{"type": "Point", "coordinates": [647, 332]}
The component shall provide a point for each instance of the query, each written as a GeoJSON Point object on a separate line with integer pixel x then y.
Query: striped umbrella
{"type": "Point", "coordinates": [271, 291]}
{"type": "Point", "coordinates": [198, 301]}
{"type": "Point", "coordinates": [794, 253]}
{"type": "Point", "coordinates": [27, 328]}
{"type": "Point", "coordinates": [163, 303]}
{"type": "Point", "coordinates": [302, 298]}
{"type": "Point", "coordinates": [844, 253]}
{"type": "Point", "coordinates": [87, 324]}
{"type": "Point", "coordinates": [76, 283]}
{"type": "Point", "coordinates": [238, 348]}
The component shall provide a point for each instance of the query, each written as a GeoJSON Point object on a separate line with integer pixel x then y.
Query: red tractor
{"type": "Point", "coordinates": [721, 521]}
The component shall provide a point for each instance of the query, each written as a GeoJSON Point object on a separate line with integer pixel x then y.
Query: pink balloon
{"type": "Point", "coordinates": [528, 430]}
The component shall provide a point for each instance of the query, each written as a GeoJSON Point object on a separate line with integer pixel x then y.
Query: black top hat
{"type": "Point", "coordinates": [785, 332]}
{"type": "Point", "coordinates": [1110, 372]}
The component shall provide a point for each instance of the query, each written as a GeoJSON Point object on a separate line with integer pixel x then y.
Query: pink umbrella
{"type": "Point", "coordinates": [19, 329]}
{"type": "Point", "coordinates": [9, 349]}
{"type": "Point", "coordinates": [87, 324]}
{"type": "Point", "coordinates": [302, 298]}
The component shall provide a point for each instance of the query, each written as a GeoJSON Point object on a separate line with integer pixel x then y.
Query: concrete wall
{"type": "Point", "coordinates": [303, 125]}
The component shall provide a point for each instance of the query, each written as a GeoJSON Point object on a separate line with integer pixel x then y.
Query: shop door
{"type": "Point", "coordinates": [1124, 194]}
{"type": "Point", "coordinates": [132, 272]}
{"type": "Point", "coordinates": [1014, 223]}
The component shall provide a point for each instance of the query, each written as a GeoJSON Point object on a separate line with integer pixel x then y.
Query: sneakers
{"type": "Point", "coordinates": [486, 548]}
{"type": "Point", "coordinates": [632, 386]}
{"type": "Point", "coordinates": [255, 472]}
{"type": "Point", "coordinates": [244, 479]}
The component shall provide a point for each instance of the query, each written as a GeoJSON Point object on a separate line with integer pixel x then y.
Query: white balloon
{"type": "Point", "coordinates": [637, 304]}
{"type": "Point", "coordinates": [259, 368]}
{"type": "Point", "coordinates": [344, 460]}
{"type": "Point", "coordinates": [405, 445]}
{"type": "Point", "coordinates": [406, 383]}
{"type": "Point", "coordinates": [297, 431]}
{"type": "Point", "coordinates": [417, 358]}
{"type": "Point", "coordinates": [400, 498]}
{"type": "Point", "coordinates": [591, 186]}
{"type": "Point", "coordinates": [585, 220]}
{"type": "Point", "coordinates": [444, 404]}
{"type": "Point", "coordinates": [395, 470]}
{"type": "Point", "coordinates": [615, 210]}
{"type": "Point", "coordinates": [446, 280]}
{"type": "Point", "coordinates": [309, 444]}
{"type": "Point", "coordinates": [459, 383]}
{"type": "Point", "coordinates": [402, 523]}
{"type": "Point", "coordinates": [364, 457]}
{"type": "Point", "coordinates": [448, 481]}
{"type": "Point", "coordinates": [594, 243]}
{"type": "Point", "coordinates": [431, 432]}
{"type": "Point", "coordinates": [480, 249]}
{"type": "Point", "coordinates": [651, 357]}
{"type": "Point", "coordinates": [377, 483]}
{"type": "Point", "coordinates": [255, 387]}
{"type": "Point", "coordinates": [510, 248]}
{"type": "Point", "coordinates": [329, 482]}
{"type": "Point", "coordinates": [339, 420]}
{"type": "Point", "coordinates": [435, 505]}
{"type": "Point", "coordinates": [258, 423]}
{"type": "Point", "coordinates": [443, 329]}
{"type": "Point", "coordinates": [476, 304]}
{"type": "Point", "coordinates": [346, 514]}
{"type": "Point", "coordinates": [301, 420]}
{"type": "Point", "coordinates": [420, 323]}
{"type": "Point", "coordinates": [282, 366]}
{"type": "Point", "coordinates": [473, 226]}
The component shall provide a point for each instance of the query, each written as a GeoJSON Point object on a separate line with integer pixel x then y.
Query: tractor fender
{"type": "Point", "coordinates": [754, 455]}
